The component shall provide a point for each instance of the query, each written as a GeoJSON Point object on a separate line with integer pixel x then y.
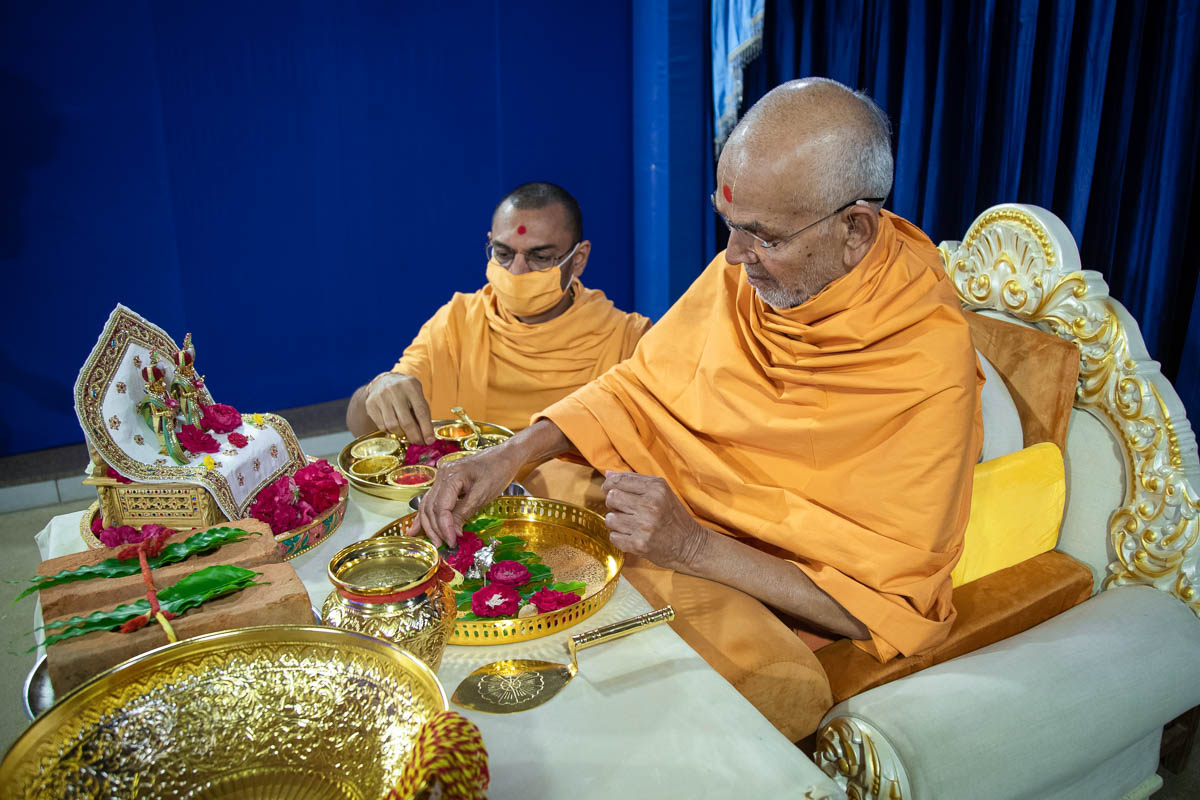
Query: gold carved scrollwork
{"type": "Point", "coordinates": [1021, 260]}
{"type": "Point", "coordinates": [861, 760]}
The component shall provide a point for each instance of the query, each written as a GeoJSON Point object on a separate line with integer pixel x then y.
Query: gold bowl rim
{"type": "Point", "coordinates": [437, 431]}
{"type": "Point", "coordinates": [429, 472]}
{"type": "Point", "coordinates": [374, 548]}
{"type": "Point", "coordinates": [66, 708]}
{"type": "Point", "coordinates": [361, 450]}
{"type": "Point", "coordinates": [394, 462]}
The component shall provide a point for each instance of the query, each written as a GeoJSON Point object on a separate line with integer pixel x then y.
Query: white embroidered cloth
{"type": "Point", "coordinates": [107, 393]}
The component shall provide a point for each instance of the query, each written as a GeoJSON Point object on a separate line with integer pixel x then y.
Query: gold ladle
{"type": "Point", "coordinates": [505, 687]}
{"type": "Point", "coordinates": [462, 417]}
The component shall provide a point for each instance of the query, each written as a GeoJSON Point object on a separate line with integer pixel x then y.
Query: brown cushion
{"type": "Point", "coordinates": [991, 608]}
{"type": "Point", "coordinates": [1040, 371]}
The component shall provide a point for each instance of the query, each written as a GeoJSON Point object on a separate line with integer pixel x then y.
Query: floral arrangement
{"type": "Point", "coordinates": [115, 536]}
{"type": "Point", "coordinates": [293, 501]}
{"type": "Point", "coordinates": [500, 578]}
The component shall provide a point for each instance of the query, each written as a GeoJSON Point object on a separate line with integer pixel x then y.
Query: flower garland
{"type": "Point", "coordinates": [515, 582]}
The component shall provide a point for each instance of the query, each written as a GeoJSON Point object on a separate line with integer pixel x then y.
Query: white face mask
{"type": "Point", "coordinates": [530, 293]}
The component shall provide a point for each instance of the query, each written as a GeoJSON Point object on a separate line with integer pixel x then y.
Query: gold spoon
{"type": "Point", "coordinates": [462, 417]}
{"type": "Point", "coordinates": [505, 687]}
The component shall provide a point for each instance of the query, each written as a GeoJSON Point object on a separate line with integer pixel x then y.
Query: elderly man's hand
{"type": "Point", "coordinates": [647, 519]}
{"type": "Point", "coordinates": [459, 490]}
{"type": "Point", "coordinates": [396, 403]}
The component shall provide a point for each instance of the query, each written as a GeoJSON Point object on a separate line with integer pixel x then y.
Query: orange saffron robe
{"type": "Point", "coordinates": [475, 354]}
{"type": "Point", "coordinates": [841, 434]}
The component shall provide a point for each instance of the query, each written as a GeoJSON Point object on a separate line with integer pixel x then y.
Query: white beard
{"type": "Point", "coordinates": [781, 299]}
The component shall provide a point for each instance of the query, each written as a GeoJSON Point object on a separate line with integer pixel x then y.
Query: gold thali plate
{"type": "Point", "coordinates": [271, 711]}
{"type": "Point", "coordinates": [381, 488]}
{"type": "Point", "coordinates": [572, 541]}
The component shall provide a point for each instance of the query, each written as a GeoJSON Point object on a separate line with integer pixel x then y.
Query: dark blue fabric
{"type": "Point", "coordinates": [1088, 109]}
{"type": "Point", "coordinates": [300, 184]}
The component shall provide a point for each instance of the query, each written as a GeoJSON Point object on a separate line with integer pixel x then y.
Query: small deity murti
{"type": "Point", "coordinates": [185, 385]}
{"type": "Point", "coordinates": [158, 410]}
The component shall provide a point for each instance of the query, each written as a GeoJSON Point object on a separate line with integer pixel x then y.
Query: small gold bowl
{"type": "Point", "coordinates": [476, 442]}
{"type": "Point", "coordinates": [379, 446]}
{"type": "Point", "coordinates": [454, 432]}
{"type": "Point", "coordinates": [411, 472]}
{"type": "Point", "coordinates": [374, 467]}
{"type": "Point", "coordinates": [450, 458]}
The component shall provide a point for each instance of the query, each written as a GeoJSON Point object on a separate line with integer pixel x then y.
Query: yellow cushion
{"type": "Point", "coordinates": [1016, 509]}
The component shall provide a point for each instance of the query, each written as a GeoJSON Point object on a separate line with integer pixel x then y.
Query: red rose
{"type": "Point", "coordinates": [469, 542]}
{"type": "Point", "coordinates": [495, 601]}
{"type": "Point", "coordinates": [238, 440]}
{"type": "Point", "coordinates": [97, 524]}
{"type": "Point", "coordinates": [115, 537]}
{"type": "Point", "coordinates": [461, 560]}
{"type": "Point", "coordinates": [550, 600]}
{"type": "Point", "coordinates": [320, 485]}
{"type": "Point", "coordinates": [429, 454]}
{"type": "Point", "coordinates": [219, 418]}
{"type": "Point", "coordinates": [118, 477]}
{"type": "Point", "coordinates": [508, 573]}
{"type": "Point", "coordinates": [197, 441]}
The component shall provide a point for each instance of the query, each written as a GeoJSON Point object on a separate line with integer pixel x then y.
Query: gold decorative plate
{"type": "Point", "coordinates": [571, 540]}
{"type": "Point", "coordinates": [380, 487]}
{"type": "Point", "coordinates": [274, 711]}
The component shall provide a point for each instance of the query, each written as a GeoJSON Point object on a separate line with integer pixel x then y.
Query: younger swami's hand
{"type": "Point", "coordinates": [459, 490]}
{"type": "Point", "coordinates": [396, 403]}
{"type": "Point", "coordinates": [647, 519]}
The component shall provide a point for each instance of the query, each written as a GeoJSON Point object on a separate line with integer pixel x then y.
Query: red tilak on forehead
{"type": "Point", "coordinates": [728, 194]}
{"type": "Point", "coordinates": [521, 230]}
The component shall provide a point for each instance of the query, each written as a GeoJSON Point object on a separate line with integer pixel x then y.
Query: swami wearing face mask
{"type": "Point", "coordinates": [524, 341]}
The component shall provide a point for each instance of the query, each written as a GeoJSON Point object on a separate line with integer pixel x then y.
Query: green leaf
{"type": "Point", "coordinates": [480, 524]}
{"type": "Point", "coordinates": [468, 617]}
{"type": "Point", "coordinates": [118, 568]}
{"type": "Point", "coordinates": [573, 587]}
{"type": "Point", "coordinates": [188, 592]}
{"type": "Point", "coordinates": [538, 572]}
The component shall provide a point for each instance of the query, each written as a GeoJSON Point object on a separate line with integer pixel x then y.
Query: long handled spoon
{"type": "Point", "coordinates": [462, 416]}
{"type": "Point", "coordinates": [505, 687]}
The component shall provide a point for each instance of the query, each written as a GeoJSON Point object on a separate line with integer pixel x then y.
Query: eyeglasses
{"type": "Point", "coordinates": [773, 245]}
{"type": "Point", "coordinates": [536, 261]}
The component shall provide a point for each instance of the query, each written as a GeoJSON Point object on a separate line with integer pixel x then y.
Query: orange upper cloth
{"type": "Point", "coordinates": [840, 434]}
{"type": "Point", "coordinates": [475, 354]}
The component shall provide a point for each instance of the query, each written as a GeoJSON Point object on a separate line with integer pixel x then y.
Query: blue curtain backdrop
{"type": "Point", "coordinates": [300, 184]}
{"type": "Point", "coordinates": [1088, 109]}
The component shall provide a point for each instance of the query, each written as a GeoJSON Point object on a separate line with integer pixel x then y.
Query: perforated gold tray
{"type": "Point", "coordinates": [547, 526]}
{"type": "Point", "coordinates": [272, 711]}
{"type": "Point", "coordinates": [381, 488]}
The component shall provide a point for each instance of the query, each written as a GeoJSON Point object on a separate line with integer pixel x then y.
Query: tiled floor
{"type": "Point", "coordinates": [17, 530]}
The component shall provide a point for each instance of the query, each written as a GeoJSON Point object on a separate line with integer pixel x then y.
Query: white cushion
{"type": "Point", "coordinates": [1002, 432]}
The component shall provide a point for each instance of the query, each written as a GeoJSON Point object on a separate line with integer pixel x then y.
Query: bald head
{"type": "Point", "coordinates": [794, 181]}
{"type": "Point", "coordinates": [828, 143]}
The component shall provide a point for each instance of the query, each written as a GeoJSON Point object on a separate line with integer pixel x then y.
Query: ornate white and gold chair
{"type": "Point", "coordinates": [1073, 707]}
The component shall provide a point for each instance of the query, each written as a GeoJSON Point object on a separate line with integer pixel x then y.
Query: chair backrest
{"type": "Point", "coordinates": [1022, 262]}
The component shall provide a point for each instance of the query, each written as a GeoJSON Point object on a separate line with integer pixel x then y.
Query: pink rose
{"type": "Point", "coordinates": [495, 601]}
{"type": "Point", "coordinates": [97, 524]}
{"type": "Point", "coordinates": [508, 573]}
{"type": "Point", "coordinates": [238, 440]}
{"type": "Point", "coordinates": [197, 441]}
{"type": "Point", "coordinates": [469, 542]}
{"type": "Point", "coordinates": [550, 600]}
{"type": "Point", "coordinates": [219, 418]}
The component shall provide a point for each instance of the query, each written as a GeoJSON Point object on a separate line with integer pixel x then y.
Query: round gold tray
{"type": "Point", "coordinates": [272, 711]}
{"type": "Point", "coordinates": [545, 525]}
{"type": "Point", "coordinates": [383, 489]}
